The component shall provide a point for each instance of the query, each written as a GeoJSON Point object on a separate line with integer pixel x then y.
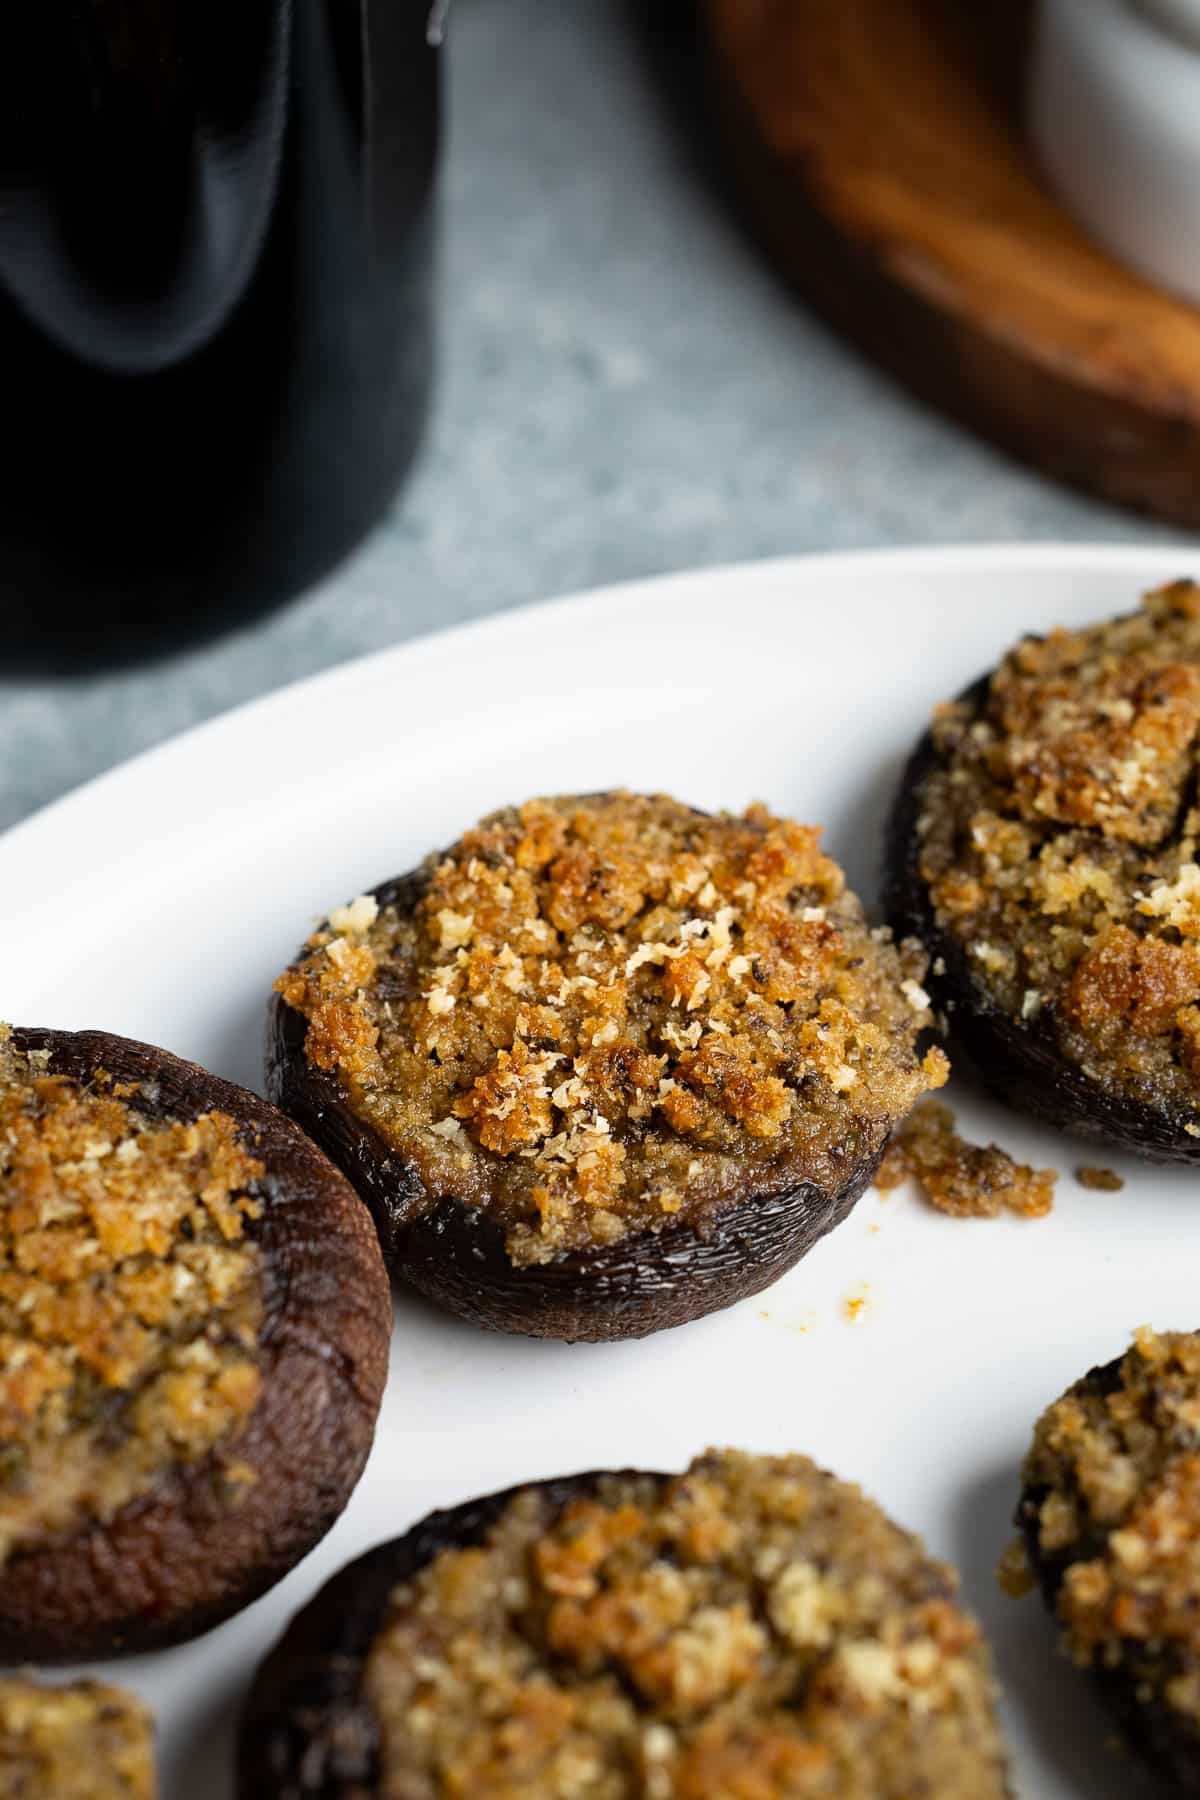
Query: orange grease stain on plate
{"type": "Point", "coordinates": [856, 1303]}
{"type": "Point", "coordinates": [801, 1324]}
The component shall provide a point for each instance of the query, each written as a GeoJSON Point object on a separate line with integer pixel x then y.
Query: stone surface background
{"type": "Point", "coordinates": [625, 388]}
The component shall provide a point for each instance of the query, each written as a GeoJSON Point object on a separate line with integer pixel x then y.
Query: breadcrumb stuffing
{"type": "Point", "coordinates": [1111, 1503]}
{"type": "Point", "coordinates": [752, 1628]}
{"type": "Point", "coordinates": [629, 1007]}
{"type": "Point", "coordinates": [130, 1295]}
{"type": "Point", "coordinates": [1014, 1576]}
{"type": "Point", "coordinates": [1059, 836]}
{"type": "Point", "coordinates": [968, 1181]}
{"type": "Point", "coordinates": [359, 915]}
{"type": "Point", "coordinates": [1100, 1180]}
{"type": "Point", "coordinates": [88, 1741]}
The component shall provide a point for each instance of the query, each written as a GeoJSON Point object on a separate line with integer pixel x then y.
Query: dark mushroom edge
{"type": "Point", "coordinates": [1016, 1059]}
{"type": "Point", "coordinates": [1129, 1690]}
{"type": "Point", "coordinates": [182, 1557]}
{"type": "Point", "coordinates": [455, 1253]}
{"type": "Point", "coordinates": [308, 1730]}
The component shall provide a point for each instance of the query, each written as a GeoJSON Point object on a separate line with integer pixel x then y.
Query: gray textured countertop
{"type": "Point", "coordinates": [625, 388]}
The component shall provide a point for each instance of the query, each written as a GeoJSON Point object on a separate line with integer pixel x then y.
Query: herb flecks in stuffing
{"type": "Point", "coordinates": [606, 1013]}
{"type": "Point", "coordinates": [750, 1628]}
{"type": "Point", "coordinates": [130, 1295]}
{"type": "Point", "coordinates": [969, 1181]}
{"type": "Point", "coordinates": [1060, 841]}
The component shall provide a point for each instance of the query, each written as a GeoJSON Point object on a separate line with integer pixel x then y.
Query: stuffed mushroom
{"type": "Point", "coordinates": [1045, 847]}
{"type": "Point", "coordinates": [605, 1065]}
{"type": "Point", "coordinates": [194, 1329]}
{"type": "Point", "coordinates": [1110, 1517]}
{"type": "Point", "coordinates": [752, 1626]}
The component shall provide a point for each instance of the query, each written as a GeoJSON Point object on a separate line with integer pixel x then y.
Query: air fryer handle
{"type": "Point", "coordinates": [140, 155]}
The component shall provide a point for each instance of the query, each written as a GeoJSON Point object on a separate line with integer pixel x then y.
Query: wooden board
{"type": "Point", "coordinates": [877, 144]}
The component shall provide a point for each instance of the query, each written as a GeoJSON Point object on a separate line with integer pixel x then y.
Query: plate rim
{"type": "Point", "coordinates": [782, 586]}
{"type": "Point", "coordinates": [22, 835]}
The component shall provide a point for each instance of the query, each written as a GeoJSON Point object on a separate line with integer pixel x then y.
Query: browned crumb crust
{"type": "Point", "coordinates": [85, 1742]}
{"type": "Point", "coordinates": [969, 1181]}
{"type": "Point", "coordinates": [1048, 852]}
{"type": "Point", "coordinates": [1014, 1576]}
{"type": "Point", "coordinates": [194, 1325]}
{"type": "Point", "coordinates": [1099, 1180]}
{"type": "Point", "coordinates": [752, 1628]}
{"type": "Point", "coordinates": [130, 1295]}
{"type": "Point", "coordinates": [1110, 1512]}
{"type": "Point", "coordinates": [598, 1016]}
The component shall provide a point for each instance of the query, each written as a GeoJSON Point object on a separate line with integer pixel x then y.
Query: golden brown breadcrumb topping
{"type": "Point", "coordinates": [130, 1295]}
{"type": "Point", "coordinates": [1100, 1180]}
{"type": "Point", "coordinates": [604, 1013]}
{"type": "Point", "coordinates": [1060, 838]}
{"type": "Point", "coordinates": [85, 1742]}
{"type": "Point", "coordinates": [1114, 1475]}
{"type": "Point", "coordinates": [1014, 1572]}
{"type": "Point", "coordinates": [969, 1181]}
{"type": "Point", "coordinates": [752, 1629]}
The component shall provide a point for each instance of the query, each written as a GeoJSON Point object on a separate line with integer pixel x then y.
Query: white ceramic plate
{"type": "Point", "coordinates": [161, 900]}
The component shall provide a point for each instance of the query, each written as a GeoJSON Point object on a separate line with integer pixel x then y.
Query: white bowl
{"type": "Point", "coordinates": [1114, 115]}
